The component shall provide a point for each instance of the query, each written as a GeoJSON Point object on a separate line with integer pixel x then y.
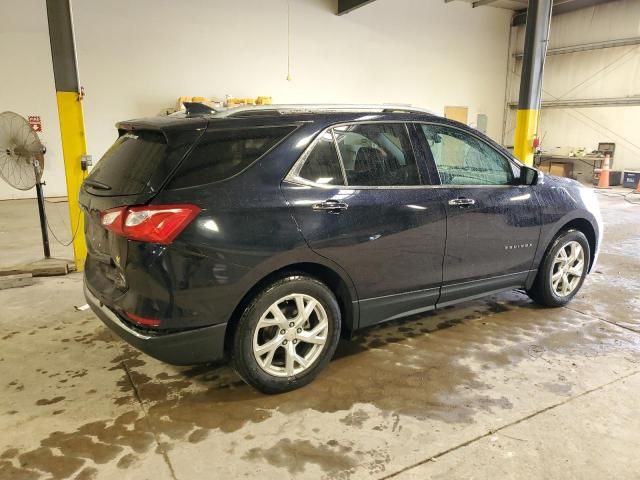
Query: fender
{"type": "Point", "coordinates": [557, 213]}
{"type": "Point", "coordinates": [303, 255]}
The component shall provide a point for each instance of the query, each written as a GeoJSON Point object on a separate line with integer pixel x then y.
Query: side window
{"type": "Point", "coordinates": [463, 159]}
{"type": "Point", "coordinates": [377, 154]}
{"type": "Point", "coordinates": [224, 153]}
{"type": "Point", "coordinates": [322, 164]}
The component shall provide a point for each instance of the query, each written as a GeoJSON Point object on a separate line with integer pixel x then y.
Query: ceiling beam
{"type": "Point", "coordinates": [346, 6]}
{"type": "Point", "coordinates": [559, 7]}
{"type": "Point", "coordinates": [588, 102]}
{"type": "Point", "coordinates": [621, 42]}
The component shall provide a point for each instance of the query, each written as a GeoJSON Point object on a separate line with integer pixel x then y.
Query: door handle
{"type": "Point", "coordinates": [462, 202]}
{"type": "Point", "coordinates": [331, 206]}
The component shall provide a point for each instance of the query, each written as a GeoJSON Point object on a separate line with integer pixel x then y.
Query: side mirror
{"type": "Point", "coordinates": [530, 176]}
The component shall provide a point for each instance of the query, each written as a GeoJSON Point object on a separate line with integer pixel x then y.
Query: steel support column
{"type": "Point", "coordinates": [65, 71]}
{"type": "Point", "coordinates": [535, 49]}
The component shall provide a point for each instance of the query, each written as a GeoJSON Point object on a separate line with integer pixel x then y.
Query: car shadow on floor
{"type": "Point", "coordinates": [398, 331]}
{"type": "Point", "coordinates": [379, 337]}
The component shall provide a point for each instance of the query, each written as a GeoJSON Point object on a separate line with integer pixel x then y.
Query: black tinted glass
{"type": "Point", "coordinates": [378, 154]}
{"type": "Point", "coordinates": [323, 165]}
{"type": "Point", "coordinates": [129, 164]}
{"type": "Point", "coordinates": [224, 153]}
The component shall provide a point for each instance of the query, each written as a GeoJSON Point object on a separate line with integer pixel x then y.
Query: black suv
{"type": "Point", "coordinates": [265, 233]}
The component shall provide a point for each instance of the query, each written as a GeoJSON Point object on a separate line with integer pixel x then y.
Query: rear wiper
{"type": "Point", "coordinates": [97, 185]}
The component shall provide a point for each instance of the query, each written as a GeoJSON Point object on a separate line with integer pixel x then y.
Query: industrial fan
{"type": "Point", "coordinates": [22, 162]}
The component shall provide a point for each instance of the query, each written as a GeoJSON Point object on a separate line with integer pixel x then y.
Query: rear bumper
{"type": "Point", "coordinates": [200, 345]}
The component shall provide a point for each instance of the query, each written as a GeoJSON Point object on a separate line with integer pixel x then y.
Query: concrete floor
{"type": "Point", "coordinates": [20, 235]}
{"type": "Point", "coordinates": [497, 388]}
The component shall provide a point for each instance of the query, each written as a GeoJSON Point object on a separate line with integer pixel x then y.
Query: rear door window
{"type": "Point", "coordinates": [127, 167]}
{"type": "Point", "coordinates": [221, 154]}
{"type": "Point", "coordinates": [377, 154]}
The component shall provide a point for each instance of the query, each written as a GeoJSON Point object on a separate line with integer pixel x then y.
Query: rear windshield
{"type": "Point", "coordinates": [127, 167]}
{"type": "Point", "coordinates": [223, 153]}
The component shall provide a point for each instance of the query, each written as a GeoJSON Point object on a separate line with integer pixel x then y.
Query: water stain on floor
{"type": "Point", "coordinates": [43, 459]}
{"type": "Point", "coordinates": [9, 471]}
{"type": "Point", "coordinates": [62, 454]}
{"type": "Point", "coordinates": [294, 455]}
{"type": "Point", "coordinates": [355, 419]}
{"type": "Point", "coordinates": [49, 401]}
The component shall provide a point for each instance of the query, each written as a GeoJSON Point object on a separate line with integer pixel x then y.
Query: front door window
{"type": "Point", "coordinates": [462, 159]}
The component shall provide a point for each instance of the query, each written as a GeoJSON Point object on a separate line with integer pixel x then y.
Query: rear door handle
{"type": "Point", "coordinates": [462, 202]}
{"type": "Point", "coordinates": [331, 206]}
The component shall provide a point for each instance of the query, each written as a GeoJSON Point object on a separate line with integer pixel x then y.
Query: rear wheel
{"type": "Point", "coordinates": [287, 334]}
{"type": "Point", "coordinates": [562, 271]}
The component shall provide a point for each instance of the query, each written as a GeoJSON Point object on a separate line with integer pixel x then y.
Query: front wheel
{"type": "Point", "coordinates": [562, 271]}
{"type": "Point", "coordinates": [287, 334]}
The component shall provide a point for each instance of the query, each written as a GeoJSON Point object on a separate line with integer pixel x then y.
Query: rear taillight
{"type": "Point", "coordinates": [112, 219]}
{"type": "Point", "coordinates": [147, 322]}
{"type": "Point", "coordinates": [150, 223]}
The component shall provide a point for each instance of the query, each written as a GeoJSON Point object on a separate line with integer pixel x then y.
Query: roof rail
{"type": "Point", "coordinates": [326, 107]}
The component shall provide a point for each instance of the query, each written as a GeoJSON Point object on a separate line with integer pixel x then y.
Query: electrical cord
{"type": "Point", "coordinates": [73, 237]}
{"type": "Point", "coordinates": [288, 40]}
{"type": "Point", "coordinates": [75, 230]}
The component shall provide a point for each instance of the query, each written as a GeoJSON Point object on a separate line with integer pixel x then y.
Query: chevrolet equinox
{"type": "Point", "coordinates": [263, 234]}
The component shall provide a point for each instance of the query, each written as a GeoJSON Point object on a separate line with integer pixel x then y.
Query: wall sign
{"type": "Point", "coordinates": [35, 122]}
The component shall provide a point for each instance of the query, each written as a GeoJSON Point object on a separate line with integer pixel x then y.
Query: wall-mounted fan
{"type": "Point", "coordinates": [22, 162]}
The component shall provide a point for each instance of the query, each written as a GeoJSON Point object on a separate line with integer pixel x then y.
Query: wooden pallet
{"type": "Point", "coordinates": [41, 268]}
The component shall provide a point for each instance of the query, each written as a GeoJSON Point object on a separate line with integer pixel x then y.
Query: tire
{"type": "Point", "coordinates": [545, 290]}
{"type": "Point", "coordinates": [262, 353]}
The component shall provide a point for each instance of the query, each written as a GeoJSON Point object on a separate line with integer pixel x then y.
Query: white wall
{"type": "Point", "coordinates": [619, 76]}
{"type": "Point", "coordinates": [136, 57]}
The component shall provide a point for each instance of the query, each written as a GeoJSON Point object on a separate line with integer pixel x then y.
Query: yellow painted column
{"type": "Point", "coordinates": [73, 147]}
{"type": "Point", "coordinates": [65, 73]}
{"type": "Point", "coordinates": [526, 126]}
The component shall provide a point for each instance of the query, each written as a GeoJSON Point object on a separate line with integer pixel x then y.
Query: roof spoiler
{"type": "Point", "coordinates": [197, 108]}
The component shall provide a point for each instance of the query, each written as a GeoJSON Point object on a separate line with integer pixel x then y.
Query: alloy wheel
{"type": "Point", "coordinates": [567, 269]}
{"type": "Point", "coordinates": [290, 335]}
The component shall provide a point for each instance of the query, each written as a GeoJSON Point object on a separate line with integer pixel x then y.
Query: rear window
{"type": "Point", "coordinates": [221, 154]}
{"type": "Point", "coordinates": [126, 168]}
